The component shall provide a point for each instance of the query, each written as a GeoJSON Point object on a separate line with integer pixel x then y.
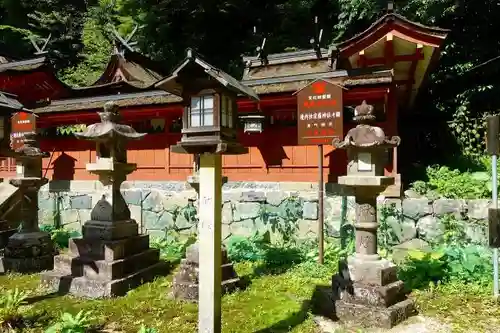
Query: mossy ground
{"type": "Point", "coordinates": [270, 303]}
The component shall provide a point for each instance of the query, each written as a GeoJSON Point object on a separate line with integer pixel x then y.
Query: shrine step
{"type": "Point", "coordinates": [83, 286]}
{"type": "Point", "coordinates": [189, 291]}
{"type": "Point", "coordinates": [108, 250]}
{"type": "Point", "coordinates": [105, 270]}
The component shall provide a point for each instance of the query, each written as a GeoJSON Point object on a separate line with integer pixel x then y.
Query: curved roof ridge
{"type": "Point", "coordinates": [434, 32]}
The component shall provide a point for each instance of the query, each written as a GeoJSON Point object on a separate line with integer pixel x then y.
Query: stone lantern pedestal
{"type": "Point", "coordinates": [29, 250]}
{"type": "Point", "coordinates": [111, 258]}
{"type": "Point", "coordinates": [185, 283]}
{"type": "Point", "coordinates": [375, 297]}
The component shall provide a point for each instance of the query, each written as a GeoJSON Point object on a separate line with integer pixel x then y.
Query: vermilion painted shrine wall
{"type": "Point", "coordinates": [273, 156]}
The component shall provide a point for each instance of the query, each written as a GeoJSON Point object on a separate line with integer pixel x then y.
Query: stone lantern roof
{"type": "Point", "coordinates": [109, 127]}
{"type": "Point", "coordinates": [365, 135]}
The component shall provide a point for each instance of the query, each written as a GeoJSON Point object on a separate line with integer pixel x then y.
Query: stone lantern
{"type": "Point", "coordinates": [29, 249]}
{"type": "Point", "coordinates": [376, 297]}
{"type": "Point", "coordinates": [209, 130]}
{"type": "Point", "coordinates": [112, 257]}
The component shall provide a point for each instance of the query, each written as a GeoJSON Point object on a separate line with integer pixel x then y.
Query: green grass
{"type": "Point", "coordinates": [271, 303]}
{"type": "Point", "coordinates": [466, 307]}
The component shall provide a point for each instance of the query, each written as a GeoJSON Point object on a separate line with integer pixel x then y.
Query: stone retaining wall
{"type": "Point", "coordinates": [247, 207]}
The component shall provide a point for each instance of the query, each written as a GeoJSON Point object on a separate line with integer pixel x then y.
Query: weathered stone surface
{"type": "Point", "coordinates": [403, 230]}
{"type": "Point", "coordinates": [448, 206]}
{"type": "Point", "coordinates": [185, 282]}
{"type": "Point", "coordinates": [132, 197]}
{"type": "Point", "coordinates": [310, 210]}
{"type": "Point", "coordinates": [275, 198]}
{"type": "Point", "coordinates": [165, 221]}
{"type": "Point", "coordinates": [246, 210]}
{"type": "Point", "coordinates": [227, 213]}
{"type": "Point", "coordinates": [253, 196]}
{"type": "Point", "coordinates": [371, 316]}
{"type": "Point", "coordinates": [46, 202]}
{"type": "Point", "coordinates": [153, 202]}
{"type": "Point", "coordinates": [400, 252]}
{"type": "Point", "coordinates": [430, 228]}
{"type": "Point", "coordinates": [478, 209]}
{"type": "Point", "coordinates": [69, 216]}
{"type": "Point", "coordinates": [372, 272]}
{"type": "Point", "coordinates": [384, 296]}
{"type": "Point", "coordinates": [243, 202]}
{"type": "Point", "coordinates": [417, 208]}
{"type": "Point", "coordinates": [81, 202]}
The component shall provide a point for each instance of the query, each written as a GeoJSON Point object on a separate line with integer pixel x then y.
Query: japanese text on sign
{"type": "Point", "coordinates": [320, 117]}
{"type": "Point", "coordinates": [21, 123]}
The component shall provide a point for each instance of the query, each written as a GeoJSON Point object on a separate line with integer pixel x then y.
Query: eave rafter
{"type": "Point", "coordinates": [393, 41]}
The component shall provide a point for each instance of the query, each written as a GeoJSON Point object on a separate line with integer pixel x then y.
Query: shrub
{"type": "Point", "coordinates": [72, 324]}
{"type": "Point", "coordinates": [173, 246]}
{"type": "Point", "coordinates": [59, 236]}
{"type": "Point", "coordinates": [454, 184]}
{"type": "Point", "coordinates": [11, 316]}
{"type": "Point", "coordinates": [464, 264]}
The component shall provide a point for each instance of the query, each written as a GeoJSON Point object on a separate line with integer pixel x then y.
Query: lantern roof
{"type": "Point", "coordinates": [9, 101]}
{"type": "Point", "coordinates": [174, 85]}
{"type": "Point", "coordinates": [109, 128]}
{"type": "Point", "coordinates": [365, 135]}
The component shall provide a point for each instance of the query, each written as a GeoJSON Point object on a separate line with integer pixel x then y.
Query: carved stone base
{"type": "Point", "coordinates": [376, 297]}
{"type": "Point", "coordinates": [375, 316]}
{"type": "Point", "coordinates": [29, 252]}
{"type": "Point", "coordinates": [103, 268]}
{"type": "Point", "coordinates": [185, 283]}
{"type": "Point", "coordinates": [107, 230]}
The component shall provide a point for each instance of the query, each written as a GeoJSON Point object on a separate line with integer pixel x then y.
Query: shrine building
{"type": "Point", "coordinates": [386, 65]}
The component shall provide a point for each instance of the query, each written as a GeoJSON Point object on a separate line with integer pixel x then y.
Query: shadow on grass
{"type": "Point", "coordinates": [39, 298]}
{"type": "Point", "coordinates": [321, 303]}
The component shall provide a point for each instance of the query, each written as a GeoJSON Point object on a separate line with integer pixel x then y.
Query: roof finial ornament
{"type": "Point", "coordinates": [261, 51]}
{"type": "Point", "coordinates": [40, 50]}
{"type": "Point", "coordinates": [124, 43]}
{"type": "Point", "coordinates": [316, 40]}
{"type": "Point", "coordinates": [364, 113]}
{"type": "Point", "coordinates": [390, 6]}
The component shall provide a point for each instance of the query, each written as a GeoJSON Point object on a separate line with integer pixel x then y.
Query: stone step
{"type": "Point", "coordinates": [83, 286]}
{"type": "Point", "coordinates": [105, 270]}
{"type": "Point", "coordinates": [374, 316]}
{"type": "Point", "coordinates": [387, 295]}
{"type": "Point", "coordinates": [108, 250]}
{"type": "Point", "coordinates": [189, 291]}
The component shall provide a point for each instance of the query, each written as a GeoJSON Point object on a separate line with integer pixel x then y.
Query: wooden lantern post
{"type": "Point", "coordinates": [209, 130]}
